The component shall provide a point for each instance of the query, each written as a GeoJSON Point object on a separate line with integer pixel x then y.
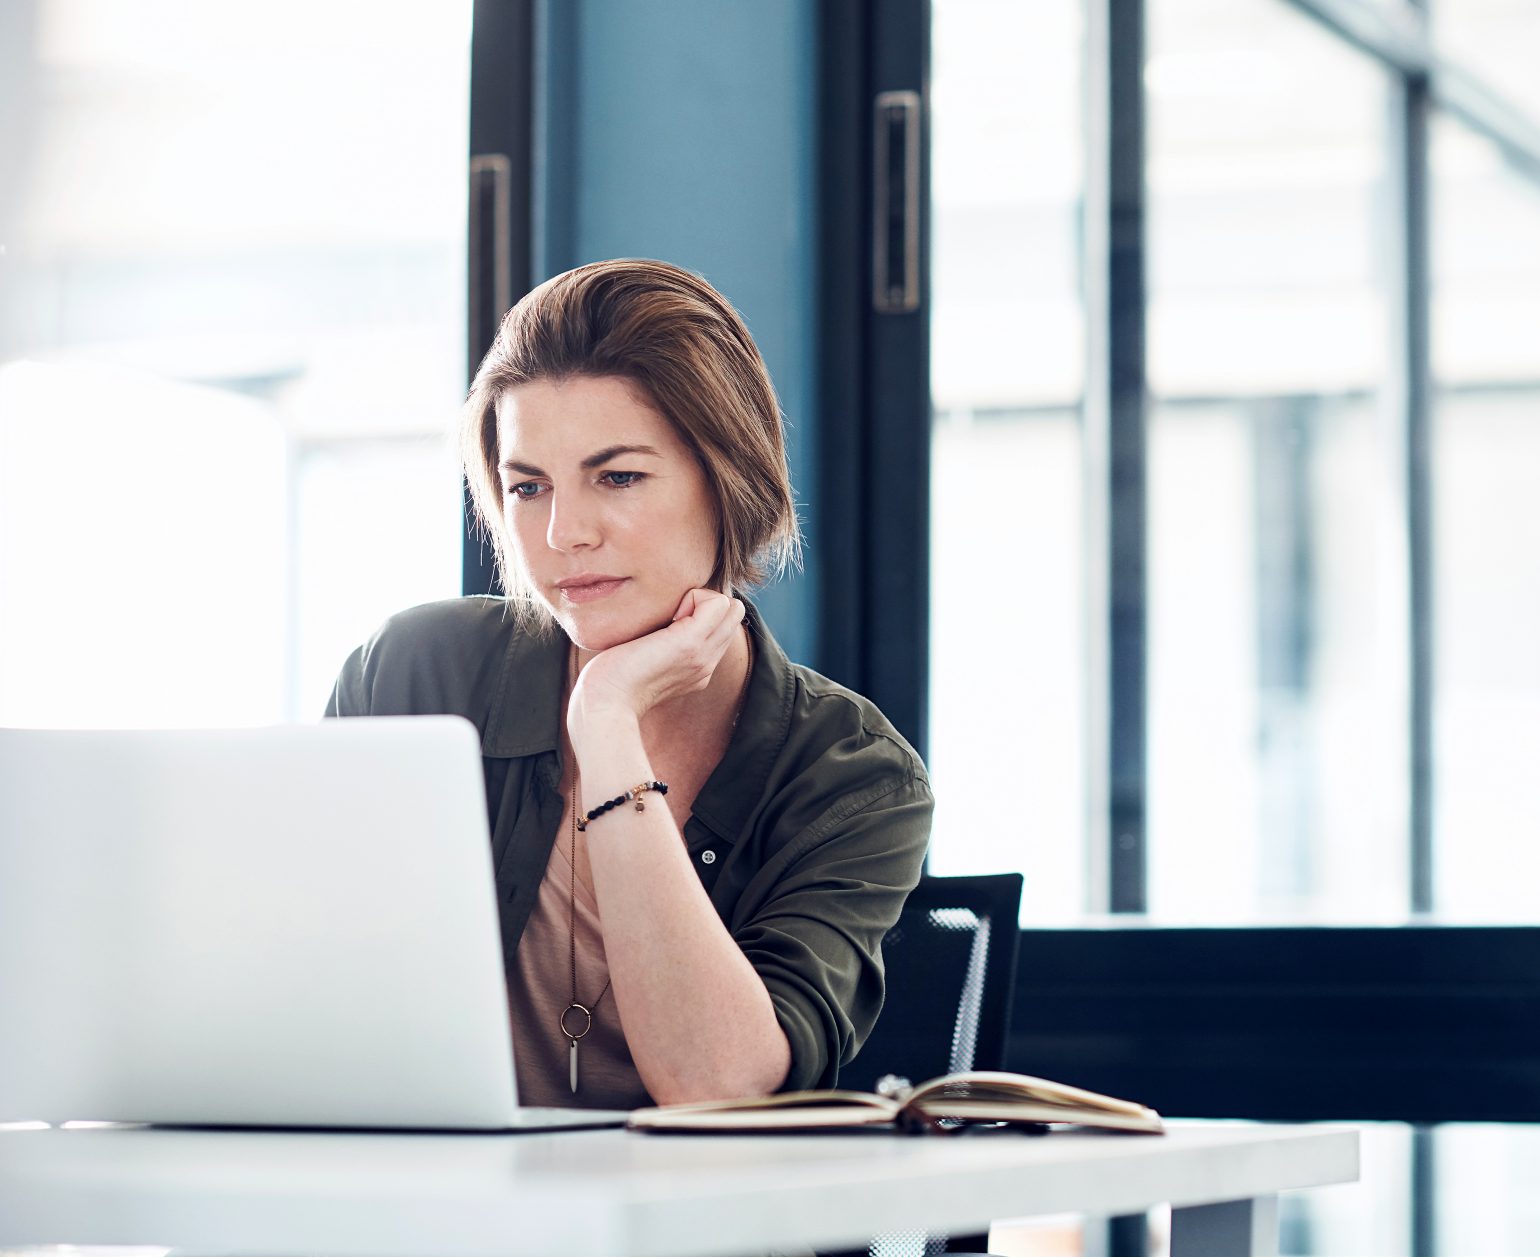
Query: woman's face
{"type": "Point", "coordinates": [609, 512]}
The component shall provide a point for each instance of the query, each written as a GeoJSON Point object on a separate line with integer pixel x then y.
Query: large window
{"type": "Point", "coordinates": [1277, 621]}
{"type": "Point", "coordinates": [1323, 232]}
{"type": "Point", "coordinates": [231, 344]}
{"type": "Point", "coordinates": [1007, 368]}
{"type": "Point", "coordinates": [1280, 235]}
{"type": "Point", "coordinates": [1486, 425]}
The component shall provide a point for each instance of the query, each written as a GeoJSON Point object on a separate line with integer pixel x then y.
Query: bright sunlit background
{"type": "Point", "coordinates": [1277, 567]}
{"type": "Point", "coordinates": [233, 293]}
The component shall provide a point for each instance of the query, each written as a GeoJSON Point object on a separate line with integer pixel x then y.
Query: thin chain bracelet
{"type": "Point", "coordinates": [634, 793]}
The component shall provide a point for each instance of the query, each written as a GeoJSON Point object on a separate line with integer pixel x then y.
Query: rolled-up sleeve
{"type": "Point", "coordinates": [815, 936]}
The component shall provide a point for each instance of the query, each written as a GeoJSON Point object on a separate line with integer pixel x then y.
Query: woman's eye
{"type": "Point", "coordinates": [527, 490]}
{"type": "Point", "coordinates": [621, 479]}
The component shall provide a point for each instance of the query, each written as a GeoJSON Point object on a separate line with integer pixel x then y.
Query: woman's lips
{"type": "Point", "coordinates": [591, 590]}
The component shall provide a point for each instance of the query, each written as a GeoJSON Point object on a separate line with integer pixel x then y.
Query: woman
{"type": "Point", "coordinates": [698, 844]}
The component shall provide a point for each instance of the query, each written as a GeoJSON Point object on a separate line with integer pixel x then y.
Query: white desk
{"type": "Point", "coordinates": [633, 1195]}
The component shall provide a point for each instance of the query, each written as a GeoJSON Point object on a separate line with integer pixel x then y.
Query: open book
{"type": "Point", "coordinates": [942, 1104]}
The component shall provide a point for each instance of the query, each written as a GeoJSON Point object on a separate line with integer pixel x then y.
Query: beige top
{"type": "Point", "coordinates": [540, 987]}
{"type": "Point", "coordinates": [807, 837]}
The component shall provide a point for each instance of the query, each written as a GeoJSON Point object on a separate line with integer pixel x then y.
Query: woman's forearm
{"type": "Point", "coordinates": [697, 1017]}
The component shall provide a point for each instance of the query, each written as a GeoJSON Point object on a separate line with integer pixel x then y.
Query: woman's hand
{"type": "Point", "coordinates": [627, 681]}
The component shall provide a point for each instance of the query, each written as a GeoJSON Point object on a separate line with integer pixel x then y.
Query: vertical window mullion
{"type": "Point", "coordinates": [1114, 270]}
{"type": "Point", "coordinates": [1411, 134]}
{"type": "Point", "coordinates": [1415, 335]}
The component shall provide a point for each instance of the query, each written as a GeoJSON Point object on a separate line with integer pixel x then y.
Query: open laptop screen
{"type": "Point", "coordinates": [289, 926]}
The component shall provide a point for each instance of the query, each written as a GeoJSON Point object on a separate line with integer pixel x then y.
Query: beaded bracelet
{"type": "Point", "coordinates": [635, 792]}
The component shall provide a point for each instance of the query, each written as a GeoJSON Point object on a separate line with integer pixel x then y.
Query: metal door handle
{"type": "Point", "coordinates": [896, 202]}
{"type": "Point", "coordinates": [490, 278]}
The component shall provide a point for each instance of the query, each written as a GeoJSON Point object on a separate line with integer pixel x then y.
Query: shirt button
{"type": "Point", "coordinates": [708, 857]}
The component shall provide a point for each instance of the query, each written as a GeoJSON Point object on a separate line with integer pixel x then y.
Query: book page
{"type": "Point", "coordinates": [728, 1118]}
{"type": "Point", "coordinates": [832, 1107]}
{"type": "Point", "coordinates": [994, 1085]}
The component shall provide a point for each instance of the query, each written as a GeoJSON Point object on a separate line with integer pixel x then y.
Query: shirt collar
{"type": "Point", "coordinates": [525, 719]}
{"type": "Point", "coordinates": [525, 716]}
{"type": "Point", "coordinates": [733, 791]}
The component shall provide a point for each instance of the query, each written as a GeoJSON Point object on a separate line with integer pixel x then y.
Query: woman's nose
{"type": "Point", "coordinates": [573, 523]}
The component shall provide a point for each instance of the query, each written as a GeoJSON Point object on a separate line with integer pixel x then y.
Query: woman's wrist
{"type": "Point", "coordinates": [609, 751]}
{"type": "Point", "coordinates": [604, 726]}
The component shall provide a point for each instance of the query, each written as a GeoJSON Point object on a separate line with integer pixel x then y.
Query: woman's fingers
{"type": "Point", "coordinates": [686, 606]}
{"type": "Point", "coordinates": [704, 634]}
{"type": "Point", "coordinates": [718, 614]}
{"type": "Point", "coordinates": [707, 618]}
{"type": "Point", "coordinates": [678, 659]}
{"type": "Point", "coordinates": [706, 606]}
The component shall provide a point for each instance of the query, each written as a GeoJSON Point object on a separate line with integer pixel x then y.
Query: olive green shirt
{"type": "Point", "coordinates": [807, 837]}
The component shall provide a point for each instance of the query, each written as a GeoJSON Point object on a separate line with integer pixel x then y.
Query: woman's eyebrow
{"type": "Point", "coordinates": [615, 451]}
{"type": "Point", "coordinates": [597, 459]}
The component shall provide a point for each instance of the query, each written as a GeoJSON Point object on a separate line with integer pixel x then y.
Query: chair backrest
{"type": "Point", "coordinates": [951, 969]}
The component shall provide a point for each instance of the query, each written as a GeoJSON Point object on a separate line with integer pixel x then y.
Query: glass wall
{"type": "Point", "coordinates": [1007, 374]}
{"type": "Point", "coordinates": [1486, 519]}
{"type": "Point", "coordinates": [231, 346]}
{"type": "Point", "coordinates": [1278, 665]}
{"type": "Point", "coordinates": [1277, 727]}
{"type": "Point", "coordinates": [1484, 1179]}
{"type": "Point", "coordinates": [1497, 42]}
{"type": "Point", "coordinates": [1279, 561]}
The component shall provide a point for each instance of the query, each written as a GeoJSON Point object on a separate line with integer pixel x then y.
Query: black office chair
{"type": "Point", "coordinates": [951, 969]}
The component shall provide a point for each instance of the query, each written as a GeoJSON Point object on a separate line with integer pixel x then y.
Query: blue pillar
{"type": "Point", "coordinates": [684, 130]}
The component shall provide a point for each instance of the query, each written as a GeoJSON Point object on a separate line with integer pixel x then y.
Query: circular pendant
{"type": "Point", "coordinates": [588, 1021]}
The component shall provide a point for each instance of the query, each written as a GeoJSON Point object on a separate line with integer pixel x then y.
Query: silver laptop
{"type": "Point", "coordinates": [289, 927]}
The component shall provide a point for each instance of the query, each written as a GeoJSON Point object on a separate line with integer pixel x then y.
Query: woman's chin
{"type": "Point", "coordinates": [595, 632]}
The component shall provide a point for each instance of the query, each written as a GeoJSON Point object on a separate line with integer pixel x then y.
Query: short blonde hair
{"type": "Point", "coordinates": [678, 340]}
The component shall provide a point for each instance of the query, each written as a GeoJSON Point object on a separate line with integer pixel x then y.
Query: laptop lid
{"type": "Point", "coordinates": [291, 926]}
